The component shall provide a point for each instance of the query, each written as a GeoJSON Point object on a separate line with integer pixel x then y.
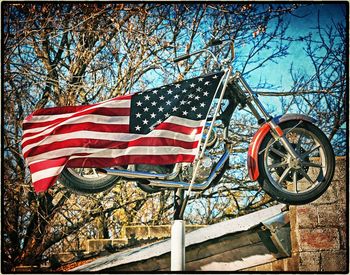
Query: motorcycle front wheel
{"type": "Point", "coordinates": [296, 182]}
{"type": "Point", "coordinates": [87, 180]}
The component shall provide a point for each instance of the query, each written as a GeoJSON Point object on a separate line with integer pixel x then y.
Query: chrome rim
{"type": "Point", "coordinates": [289, 174]}
{"type": "Point", "coordinates": [87, 174]}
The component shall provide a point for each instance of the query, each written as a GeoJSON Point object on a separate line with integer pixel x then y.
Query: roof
{"type": "Point", "coordinates": [252, 239]}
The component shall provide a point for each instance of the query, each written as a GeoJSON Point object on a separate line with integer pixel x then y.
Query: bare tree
{"type": "Point", "coordinates": [70, 54]}
{"type": "Point", "coordinates": [322, 92]}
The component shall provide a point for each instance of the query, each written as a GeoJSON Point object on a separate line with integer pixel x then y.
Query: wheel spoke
{"type": "Point", "coordinates": [311, 164]}
{"type": "Point", "coordinates": [277, 164]}
{"type": "Point", "coordinates": [95, 172]}
{"type": "Point", "coordinates": [277, 152]}
{"type": "Point", "coordinates": [310, 151]}
{"type": "Point", "coordinates": [295, 182]}
{"type": "Point", "coordinates": [299, 143]}
{"type": "Point", "coordinates": [306, 176]}
{"type": "Point", "coordinates": [284, 175]}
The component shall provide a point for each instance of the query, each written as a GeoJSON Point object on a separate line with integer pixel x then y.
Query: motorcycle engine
{"type": "Point", "coordinates": [203, 171]}
{"type": "Point", "coordinates": [206, 163]}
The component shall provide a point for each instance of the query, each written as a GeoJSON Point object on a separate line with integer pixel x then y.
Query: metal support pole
{"type": "Point", "coordinates": [178, 245]}
{"type": "Point", "coordinates": [178, 235]}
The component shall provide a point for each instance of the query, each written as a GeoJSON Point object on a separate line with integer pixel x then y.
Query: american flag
{"type": "Point", "coordinates": [158, 126]}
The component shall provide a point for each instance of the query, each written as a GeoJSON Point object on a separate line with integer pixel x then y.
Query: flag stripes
{"type": "Point", "coordinates": [112, 133]}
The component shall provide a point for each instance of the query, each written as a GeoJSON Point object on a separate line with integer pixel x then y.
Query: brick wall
{"type": "Point", "coordinates": [318, 231]}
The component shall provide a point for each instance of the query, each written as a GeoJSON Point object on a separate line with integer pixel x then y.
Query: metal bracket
{"type": "Point", "coordinates": [275, 234]}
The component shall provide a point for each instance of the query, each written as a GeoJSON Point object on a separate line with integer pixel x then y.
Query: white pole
{"type": "Point", "coordinates": [178, 245]}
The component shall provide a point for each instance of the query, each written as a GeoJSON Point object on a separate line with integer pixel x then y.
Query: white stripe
{"type": "Point", "coordinates": [47, 173]}
{"type": "Point", "coordinates": [185, 121]}
{"type": "Point", "coordinates": [101, 119]}
{"type": "Point", "coordinates": [122, 137]}
{"type": "Point", "coordinates": [118, 103]}
{"type": "Point", "coordinates": [111, 153]}
{"type": "Point", "coordinates": [124, 120]}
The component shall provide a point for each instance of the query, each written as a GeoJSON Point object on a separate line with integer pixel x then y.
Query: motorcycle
{"type": "Point", "coordinates": [289, 156]}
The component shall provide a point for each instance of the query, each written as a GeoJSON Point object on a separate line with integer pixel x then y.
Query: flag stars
{"type": "Point", "coordinates": [187, 99]}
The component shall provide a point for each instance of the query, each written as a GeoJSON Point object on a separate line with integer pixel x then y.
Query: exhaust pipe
{"type": "Point", "coordinates": [196, 186]}
{"type": "Point", "coordinates": [141, 175]}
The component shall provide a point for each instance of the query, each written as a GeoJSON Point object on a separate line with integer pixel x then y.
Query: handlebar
{"type": "Point", "coordinates": [212, 42]}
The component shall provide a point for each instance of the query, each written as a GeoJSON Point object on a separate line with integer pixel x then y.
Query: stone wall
{"type": "Point", "coordinates": [319, 231]}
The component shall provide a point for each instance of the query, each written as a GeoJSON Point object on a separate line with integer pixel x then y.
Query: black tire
{"type": "Point", "coordinates": [83, 185]}
{"type": "Point", "coordinates": [274, 162]}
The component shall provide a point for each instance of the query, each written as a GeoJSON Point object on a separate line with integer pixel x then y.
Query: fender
{"type": "Point", "coordinates": [254, 146]}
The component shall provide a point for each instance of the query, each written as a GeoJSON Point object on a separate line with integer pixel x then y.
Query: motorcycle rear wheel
{"type": "Point", "coordinates": [87, 180]}
{"type": "Point", "coordinates": [291, 182]}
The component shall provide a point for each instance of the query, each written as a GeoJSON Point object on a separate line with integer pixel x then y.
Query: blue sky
{"type": "Point", "coordinates": [277, 74]}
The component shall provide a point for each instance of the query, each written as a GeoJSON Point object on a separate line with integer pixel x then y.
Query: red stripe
{"type": "Point", "coordinates": [86, 126]}
{"type": "Point", "coordinates": [132, 159]}
{"type": "Point", "coordinates": [99, 111]}
{"type": "Point", "coordinates": [46, 164]}
{"type": "Point", "coordinates": [97, 143]}
{"type": "Point", "coordinates": [44, 184]}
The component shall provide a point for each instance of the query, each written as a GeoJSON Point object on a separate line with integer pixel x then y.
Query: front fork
{"type": "Point", "coordinates": [275, 129]}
